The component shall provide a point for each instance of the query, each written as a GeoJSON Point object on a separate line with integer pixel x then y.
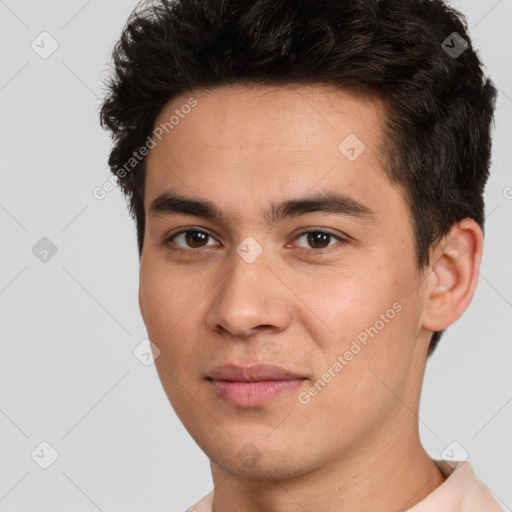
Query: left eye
{"type": "Point", "coordinates": [318, 239]}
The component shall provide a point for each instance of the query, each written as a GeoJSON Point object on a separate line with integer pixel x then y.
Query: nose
{"type": "Point", "coordinates": [249, 299]}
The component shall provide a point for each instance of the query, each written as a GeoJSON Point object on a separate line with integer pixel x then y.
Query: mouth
{"type": "Point", "coordinates": [252, 386]}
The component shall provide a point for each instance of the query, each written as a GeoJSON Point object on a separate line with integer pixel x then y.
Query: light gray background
{"type": "Point", "coordinates": [68, 327]}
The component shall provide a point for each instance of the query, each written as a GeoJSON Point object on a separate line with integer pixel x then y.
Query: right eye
{"type": "Point", "coordinates": [190, 239]}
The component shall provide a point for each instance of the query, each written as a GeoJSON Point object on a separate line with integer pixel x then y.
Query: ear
{"type": "Point", "coordinates": [453, 275]}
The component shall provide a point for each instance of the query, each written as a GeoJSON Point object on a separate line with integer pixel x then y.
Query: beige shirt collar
{"type": "Point", "coordinates": [460, 492]}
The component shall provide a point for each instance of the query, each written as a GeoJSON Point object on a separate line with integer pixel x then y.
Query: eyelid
{"type": "Point", "coordinates": [319, 229]}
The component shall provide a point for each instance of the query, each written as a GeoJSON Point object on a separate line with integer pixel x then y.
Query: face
{"type": "Point", "coordinates": [272, 238]}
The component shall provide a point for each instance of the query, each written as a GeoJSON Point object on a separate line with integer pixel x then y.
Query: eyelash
{"type": "Point", "coordinates": [323, 250]}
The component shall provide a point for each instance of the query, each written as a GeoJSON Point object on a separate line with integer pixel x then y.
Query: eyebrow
{"type": "Point", "coordinates": [169, 203]}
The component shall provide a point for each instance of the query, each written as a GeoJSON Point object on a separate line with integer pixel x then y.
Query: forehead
{"type": "Point", "coordinates": [240, 146]}
{"type": "Point", "coordinates": [238, 117]}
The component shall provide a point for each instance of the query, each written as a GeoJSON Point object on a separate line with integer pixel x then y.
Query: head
{"type": "Point", "coordinates": [261, 119]}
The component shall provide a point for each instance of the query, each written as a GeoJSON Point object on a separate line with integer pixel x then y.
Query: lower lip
{"type": "Point", "coordinates": [253, 393]}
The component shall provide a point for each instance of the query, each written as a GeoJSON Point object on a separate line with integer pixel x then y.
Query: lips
{"type": "Point", "coordinates": [255, 373]}
{"type": "Point", "coordinates": [253, 386]}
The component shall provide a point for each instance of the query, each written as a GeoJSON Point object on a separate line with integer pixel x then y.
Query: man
{"type": "Point", "coordinates": [307, 180]}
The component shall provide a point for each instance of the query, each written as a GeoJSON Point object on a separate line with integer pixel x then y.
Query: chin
{"type": "Point", "coordinates": [261, 464]}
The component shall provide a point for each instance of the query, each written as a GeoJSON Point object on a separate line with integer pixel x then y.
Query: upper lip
{"type": "Point", "coordinates": [254, 373]}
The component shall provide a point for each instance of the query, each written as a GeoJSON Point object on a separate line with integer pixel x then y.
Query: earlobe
{"type": "Point", "coordinates": [454, 275]}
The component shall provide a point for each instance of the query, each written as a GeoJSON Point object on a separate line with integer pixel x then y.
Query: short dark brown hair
{"type": "Point", "coordinates": [415, 55]}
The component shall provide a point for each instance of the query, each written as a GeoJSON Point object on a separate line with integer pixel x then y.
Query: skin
{"type": "Point", "coordinates": [355, 446]}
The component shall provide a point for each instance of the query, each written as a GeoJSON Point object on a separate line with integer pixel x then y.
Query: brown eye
{"type": "Point", "coordinates": [191, 239]}
{"type": "Point", "coordinates": [318, 239]}
{"type": "Point", "coordinates": [195, 238]}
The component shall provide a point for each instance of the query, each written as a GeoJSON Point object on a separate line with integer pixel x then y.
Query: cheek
{"type": "Point", "coordinates": [367, 356]}
{"type": "Point", "coordinates": [369, 311]}
{"type": "Point", "coordinates": [168, 296]}
{"type": "Point", "coordinates": [349, 300]}
{"type": "Point", "coordinates": [174, 313]}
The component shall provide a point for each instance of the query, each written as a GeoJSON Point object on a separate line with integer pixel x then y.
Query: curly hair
{"type": "Point", "coordinates": [415, 55]}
